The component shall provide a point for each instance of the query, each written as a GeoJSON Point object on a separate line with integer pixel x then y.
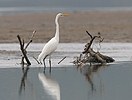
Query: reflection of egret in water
{"type": "Point", "coordinates": [88, 72]}
{"type": "Point", "coordinates": [50, 86]}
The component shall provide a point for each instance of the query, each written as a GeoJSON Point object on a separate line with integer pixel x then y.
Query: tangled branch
{"type": "Point", "coordinates": [90, 56]}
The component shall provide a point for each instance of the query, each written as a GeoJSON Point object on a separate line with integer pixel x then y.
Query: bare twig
{"type": "Point", "coordinates": [91, 41]}
{"type": "Point", "coordinates": [36, 60]}
{"type": "Point", "coordinates": [23, 50]}
{"type": "Point", "coordinates": [89, 45]}
{"type": "Point", "coordinates": [89, 34]}
{"type": "Point", "coordinates": [61, 60]}
{"type": "Point", "coordinates": [30, 39]}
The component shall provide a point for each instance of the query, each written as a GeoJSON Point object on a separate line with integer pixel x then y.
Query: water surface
{"type": "Point", "coordinates": [26, 6]}
{"type": "Point", "coordinates": [66, 82]}
{"type": "Point", "coordinates": [111, 82]}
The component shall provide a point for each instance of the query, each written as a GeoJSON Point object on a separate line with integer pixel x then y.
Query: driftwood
{"type": "Point", "coordinates": [90, 56]}
{"type": "Point", "coordinates": [23, 48]}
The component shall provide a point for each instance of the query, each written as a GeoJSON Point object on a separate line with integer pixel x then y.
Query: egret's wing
{"type": "Point", "coordinates": [50, 47]}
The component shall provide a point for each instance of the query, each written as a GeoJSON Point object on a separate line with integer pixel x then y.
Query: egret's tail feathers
{"type": "Point", "coordinates": [40, 59]}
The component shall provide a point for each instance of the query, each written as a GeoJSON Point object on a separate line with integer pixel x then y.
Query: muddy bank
{"type": "Point", "coordinates": [115, 26]}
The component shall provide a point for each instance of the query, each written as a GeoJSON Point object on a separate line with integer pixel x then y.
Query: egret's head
{"type": "Point", "coordinates": [62, 14]}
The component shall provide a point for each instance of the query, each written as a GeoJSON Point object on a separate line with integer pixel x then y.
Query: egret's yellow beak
{"type": "Point", "coordinates": [65, 14]}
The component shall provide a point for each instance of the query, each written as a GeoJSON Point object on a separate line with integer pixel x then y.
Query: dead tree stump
{"type": "Point", "coordinates": [23, 48]}
{"type": "Point", "coordinates": [90, 56]}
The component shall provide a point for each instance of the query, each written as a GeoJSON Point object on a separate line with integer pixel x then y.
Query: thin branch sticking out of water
{"type": "Point", "coordinates": [23, 48]}
{"type": "Point", "coordinates": [36, 60]}
{"type": "Point", "coordinates": [61, 60]}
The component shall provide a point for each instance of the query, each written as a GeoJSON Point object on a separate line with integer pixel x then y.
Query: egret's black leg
{"type": "Point", "coordinates": [44, 65]}
{"type": "Point", "coordinates": [50, 63]}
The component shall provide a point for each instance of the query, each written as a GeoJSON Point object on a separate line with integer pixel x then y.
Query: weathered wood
{"type": "Point", "coordinates": [23, 50]}
{"type": "Point", "coordinates": [90, 56]}
{"type": "Point", "coordinates": [31, 39]}
{"type": "Point", "coordinates": [106, 58]}
{"type": "Point", "coordinates": [88, 45]}
{"type": "Point", "coordinates": [89, 34]}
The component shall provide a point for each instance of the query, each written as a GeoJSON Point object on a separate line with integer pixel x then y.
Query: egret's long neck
{"type": "Point", "coordinates": [57, 28]}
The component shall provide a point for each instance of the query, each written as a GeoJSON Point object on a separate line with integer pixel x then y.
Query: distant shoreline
{"type": "Point", "coordinates": [115, 26]}
{"type": "Point", "coordinates": [41, 9]}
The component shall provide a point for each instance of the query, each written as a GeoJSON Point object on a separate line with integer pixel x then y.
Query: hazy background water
{"type": "Point", "coordinates": [65, 3]}
{"type": "Point", "coordinates": [59, 5]}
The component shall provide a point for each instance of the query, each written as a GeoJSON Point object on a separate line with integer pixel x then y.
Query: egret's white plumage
{"type": "Point", "coordinates": [51, 45]}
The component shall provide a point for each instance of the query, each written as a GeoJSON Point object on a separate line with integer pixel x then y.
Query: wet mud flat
{"type": "Point", "coordinates": [10, 54]}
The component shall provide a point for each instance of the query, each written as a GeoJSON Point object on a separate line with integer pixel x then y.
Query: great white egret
{"type": "Point", "coordinates": [51, 45]}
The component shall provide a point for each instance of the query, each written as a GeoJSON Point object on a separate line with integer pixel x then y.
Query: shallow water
{"type": "Point", "coordinates": [66, 82]}
{"type": "Point", "coordinates": [10, 55]}
{"type": "Point", "coordinates": [111, 82]}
